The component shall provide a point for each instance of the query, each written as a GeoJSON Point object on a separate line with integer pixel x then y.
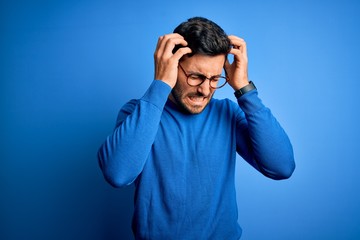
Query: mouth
{"type": "Point", "coordinates": [197, 99]}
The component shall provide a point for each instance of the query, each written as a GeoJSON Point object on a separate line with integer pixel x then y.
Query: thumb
{"type": "Point", "coordinates": [227, 66]}
{"type": "Point", "coordinates": [181, 52]}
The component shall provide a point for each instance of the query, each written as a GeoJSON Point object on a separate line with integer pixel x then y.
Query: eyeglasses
{"type": "Point", "coordinates": [195, 80]}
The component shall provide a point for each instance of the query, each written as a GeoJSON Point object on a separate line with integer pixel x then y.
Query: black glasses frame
{"type": "Point", "coordinates": [203, 78]}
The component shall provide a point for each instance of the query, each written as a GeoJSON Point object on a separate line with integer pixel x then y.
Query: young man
{"type": "Point", "coordinates": [178, 144]}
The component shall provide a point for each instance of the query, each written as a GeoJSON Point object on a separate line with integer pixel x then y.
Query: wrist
{"type": "Point", "coordinates": [171, 85]}
{"type": "Point", "coordinates": [244, 89]}
{"type": "Point", "coordinates": [236, 85]}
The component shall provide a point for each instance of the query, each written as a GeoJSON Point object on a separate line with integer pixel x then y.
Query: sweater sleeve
{"type": "Point", "coordinates": [123, 154]}
{"type": "Point", "coordinates": [261, 141]}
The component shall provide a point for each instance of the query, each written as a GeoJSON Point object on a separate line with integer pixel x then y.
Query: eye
{"type": "Point", "coordinates": [197, 77]}
{"type": "Point", "coordinates": [215, 78]}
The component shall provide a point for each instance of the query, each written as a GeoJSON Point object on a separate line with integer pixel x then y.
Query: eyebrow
{"type": "Point", "coordinates": [201, 74]}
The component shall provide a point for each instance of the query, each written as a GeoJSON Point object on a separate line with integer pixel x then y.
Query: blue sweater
{"type": "Point", "coordinates": [183, 165]}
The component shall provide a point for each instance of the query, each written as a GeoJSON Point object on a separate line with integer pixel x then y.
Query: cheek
{"type": "Point", "coordinates": [181, 88]}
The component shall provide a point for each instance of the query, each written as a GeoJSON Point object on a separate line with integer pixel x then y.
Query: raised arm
{"type": "Point", "coordinates": [124, 153]}
{"type": "Point", "coordinates": [260, 139]}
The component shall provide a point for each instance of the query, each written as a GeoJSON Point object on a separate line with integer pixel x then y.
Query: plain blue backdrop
{"type": "Point", "coordinates": [68, 66]}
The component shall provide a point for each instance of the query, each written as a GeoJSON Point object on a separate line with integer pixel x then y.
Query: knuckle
{"type": "Point", "coordinates": [184, 50]}
{"type": "Point", "coordinates": [157, 56]}
{"type": "Point", "coordinates": [170, 61]}
{"type": "Point", "coordinates": [166, 37]}
{"type": "Point", "coordinates": [160, 38]}
{"type": "Point", "coordinates": [181, 50]}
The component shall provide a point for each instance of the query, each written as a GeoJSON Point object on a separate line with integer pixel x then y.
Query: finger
{"type": "Point", "coordinates": [181, 52]}
{"type": "Point", "coordinates": [238, 43]}
{"type": "Point", "coordinates": [234, 39]}
{"type": "Point", "coordinates": [237, 53]}
{"type": "Point", "coordinates": [162, 42]}
{"type": "Point", "coordinates": [158, 43]}
{"type": "Point", "coordinates": [170, 45]}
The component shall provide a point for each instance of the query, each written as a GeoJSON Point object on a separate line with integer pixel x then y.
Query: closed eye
{"type": "Point", "coordinates": [197, 77]}
{"type": "Point", "coordinates": [215, 78]}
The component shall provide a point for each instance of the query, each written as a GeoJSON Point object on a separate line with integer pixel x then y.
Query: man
{"type": "Point", "coordinates": [178, 144]}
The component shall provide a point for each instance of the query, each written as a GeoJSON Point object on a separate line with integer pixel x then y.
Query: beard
{"type": "Point", "coordinates": [182, 100]}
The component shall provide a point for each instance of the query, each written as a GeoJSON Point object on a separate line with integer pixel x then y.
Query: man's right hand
{"type": "Point", "coordinates": [166, 62]}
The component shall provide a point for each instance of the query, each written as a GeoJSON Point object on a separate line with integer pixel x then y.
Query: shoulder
{"type": "Point", "coordinates": [227, 107]}
{"type": "Point", "coordinates": [126, 110]}
{"type": "Point", "coordinates": [223, 104]}
{"type": "Point", "coordinates": [129, 106]}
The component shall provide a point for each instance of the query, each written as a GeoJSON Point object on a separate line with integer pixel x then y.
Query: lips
{"type": "Point", "coordinates": [195, 103]}
{"type": "Point", "coordinates": [197, 99]}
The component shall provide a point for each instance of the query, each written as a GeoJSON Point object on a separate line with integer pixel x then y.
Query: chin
{"type": "Point", "coordinates": [189, 104]}
{"type": "Point", "coordinates": [194, 109]}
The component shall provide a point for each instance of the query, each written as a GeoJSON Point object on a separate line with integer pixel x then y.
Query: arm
{"type": "Point", "coordinates": [124, 153]}
{"type": "Point", "coordinates": [261, 141]}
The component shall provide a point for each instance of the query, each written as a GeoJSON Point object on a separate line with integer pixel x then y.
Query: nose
{"type": "Point", "coordinates": [205, 88]}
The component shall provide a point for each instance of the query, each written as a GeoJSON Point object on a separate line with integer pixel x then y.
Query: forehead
{"type": "Point", "coordinates": [208, 65]}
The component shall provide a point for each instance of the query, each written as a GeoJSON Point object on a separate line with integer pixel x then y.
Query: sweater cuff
{"type": "Point", "coordinates": [250, 102]}
{"type": "Point", "coordinates": [157, 94]}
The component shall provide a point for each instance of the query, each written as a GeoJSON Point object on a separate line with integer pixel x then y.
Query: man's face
{"type": "Point", "coordinates": [195, 99]}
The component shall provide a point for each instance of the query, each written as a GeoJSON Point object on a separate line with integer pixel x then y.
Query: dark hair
{"type": "Point", "coordinates": [203, 37]}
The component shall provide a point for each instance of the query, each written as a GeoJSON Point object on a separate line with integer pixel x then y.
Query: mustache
{"type": "Point", "coordinates": [198, 94]}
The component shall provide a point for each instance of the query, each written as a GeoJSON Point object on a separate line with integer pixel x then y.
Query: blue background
{"type": "Point", "coordinates": [68, 66]}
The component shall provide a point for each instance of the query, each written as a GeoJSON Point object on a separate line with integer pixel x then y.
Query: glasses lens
{"type": "Point", "coordinates": [195, 80]}
{"type": "Point", "coordinates": [218, 82]}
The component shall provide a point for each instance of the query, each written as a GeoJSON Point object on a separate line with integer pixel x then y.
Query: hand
{"type": "Point", "coordinates": [237, 71]}
{"type": "Point", "coordinates": [166, 62]}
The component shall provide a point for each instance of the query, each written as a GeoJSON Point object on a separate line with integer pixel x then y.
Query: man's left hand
{"type": "Point", "coordinates": [237, 71]}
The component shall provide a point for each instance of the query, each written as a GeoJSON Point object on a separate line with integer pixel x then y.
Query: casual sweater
{"type": "Point", "coordinates": [183, 165]}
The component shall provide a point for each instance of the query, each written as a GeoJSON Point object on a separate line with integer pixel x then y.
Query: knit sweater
{"type": "Point", "coordinates": [183, 165]}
